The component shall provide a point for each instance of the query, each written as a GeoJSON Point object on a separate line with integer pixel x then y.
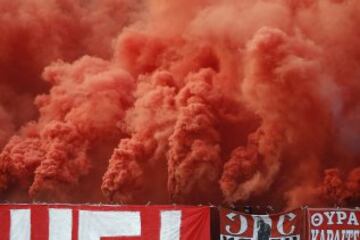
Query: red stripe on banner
{"type": "Point", "coordinates": [121, 238]}
{"type": "Point", "coordinates": [5, 224]}
{"type": "Point", "coordinates": [39, 223]}
{"type": "Point", "coordinates": [75, 223]}
{"type": "Point", "coordinates": [195, 223]}
{"type": "Point", "coordinates": [153, 217]}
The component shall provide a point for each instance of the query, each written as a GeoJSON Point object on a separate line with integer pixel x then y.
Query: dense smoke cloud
{"type": "Point", "coordinates": [171, 101]}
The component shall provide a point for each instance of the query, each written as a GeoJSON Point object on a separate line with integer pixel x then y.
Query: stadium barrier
{"type": "Point", "coordinates": [172, 222]}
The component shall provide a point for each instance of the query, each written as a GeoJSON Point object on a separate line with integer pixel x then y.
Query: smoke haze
{"type": "Point", "coordinates": [250, 101]}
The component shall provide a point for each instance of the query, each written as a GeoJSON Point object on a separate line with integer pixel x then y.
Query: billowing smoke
{"type": "Point", "coordinates": [251, 101]}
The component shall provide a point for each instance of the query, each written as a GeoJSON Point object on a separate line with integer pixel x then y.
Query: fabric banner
{"type": "Point", "coordinates": [239, 226]}
{"type": "Point", "coordinates": [89, 222]}
{"type": "Point", "coordinates": [333, 224]}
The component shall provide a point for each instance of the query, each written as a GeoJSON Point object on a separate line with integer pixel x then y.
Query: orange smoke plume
{"type": "Point", "coordinates": [170, 101]}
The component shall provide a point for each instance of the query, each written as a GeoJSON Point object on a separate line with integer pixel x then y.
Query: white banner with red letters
{"type": "Point", "coordinates": [90, 222]}
{"type": "Point", "coordinates": [239, 226]}
{"type": "Point", "coordinates": [333, 224]}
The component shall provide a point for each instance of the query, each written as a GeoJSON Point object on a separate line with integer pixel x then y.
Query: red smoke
{"type": "Point", "coordinates": [251, 101]}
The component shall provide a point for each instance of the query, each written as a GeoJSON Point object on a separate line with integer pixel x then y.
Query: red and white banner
{"type": "Point", "coordinates": [334, 224]}
{"type": "Point", "coordinates": [239, 226]}
{"type": "Point", "coordinates": [87, 222]}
